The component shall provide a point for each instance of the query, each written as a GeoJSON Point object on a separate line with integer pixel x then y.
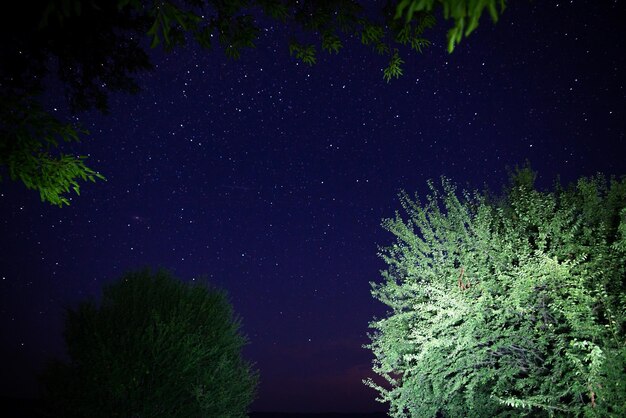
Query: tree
{"type": "Point", "coordinates": [94, 48]}
{"type": "Point", "coordinates": [505, 306]}
{"type": "Point", "coordinates": [155, 347]}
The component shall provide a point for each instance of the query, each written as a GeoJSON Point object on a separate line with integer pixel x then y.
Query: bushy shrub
{"type": "Point", "coordinates": [506, 306]}
{"type": "Point", "coordinates": [154, 347]}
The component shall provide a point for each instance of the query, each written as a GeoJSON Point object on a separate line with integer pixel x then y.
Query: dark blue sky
{"type": "Point", "coordinates": [271, 178]}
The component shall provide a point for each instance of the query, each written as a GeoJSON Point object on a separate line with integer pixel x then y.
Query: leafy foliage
{"type": "Point", "coordinates": [395, 67]}
{"type": "Point", "coordinates": [155, 347]}
{"type": "Point", "coordinates": [505, 306]}
{"type": "Point", "coordinates": [27, 137]}
{"type": "Point", "coordinates": [400, 23]}
{"type": "Point", "coordinates": [95, 48]}
{"type": "Point", "coordinates": [305, 53]}
{"type": "Point", "coordinates": [331, 42]}
{"type": "Point", "coordinates": [465, 13]}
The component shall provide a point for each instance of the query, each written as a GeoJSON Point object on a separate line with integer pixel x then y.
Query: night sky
{"type": "Point", "coordinates": [271, 178]}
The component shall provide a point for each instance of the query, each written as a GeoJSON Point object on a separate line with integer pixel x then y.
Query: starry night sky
{"type": "Point", "coordinates": [271, 178]}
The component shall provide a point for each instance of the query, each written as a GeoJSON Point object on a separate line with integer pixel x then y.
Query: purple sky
{"type": "Point", "coordinates": [271, 178]}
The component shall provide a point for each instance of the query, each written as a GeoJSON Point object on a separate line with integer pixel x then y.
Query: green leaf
{"type": "Point", "coordinates": [371, 34]}
{"type": "Point", "coordinates": [418, 44]}
{"type": "Point", "coordinates": [394, 69]}
{"type": "Point", "coordinates": [304, 53]}
{"type": "Point", "coordinates": [331, 42]}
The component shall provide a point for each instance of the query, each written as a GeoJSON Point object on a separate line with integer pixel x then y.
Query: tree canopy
{"type": "Point", "coordinates": [94, 48]}
{"type": "Point", "coordinates": [154, 347]}
{"type": "Point", "coordinates": [505, 306]}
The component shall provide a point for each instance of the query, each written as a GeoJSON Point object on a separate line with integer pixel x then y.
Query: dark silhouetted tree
{"type": "Point", "coordinates": [507, 306]}
{"type": "Point", "coordinates": [154, 347]}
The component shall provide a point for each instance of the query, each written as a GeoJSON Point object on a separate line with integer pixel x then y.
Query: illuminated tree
{"type": "Point", "coordinates": [155, 347]}
{"type": "Point", "coordinates": [94, 48]}
{"type": "Point", "coordinates": [505, 306]}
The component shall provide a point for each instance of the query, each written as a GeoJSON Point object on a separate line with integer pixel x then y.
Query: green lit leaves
{"type": "Point", "coordinates": [404, 34]}
{"type": "Point", "coordinates": [408, 7]}
{"type": "Point", "coordinates": [371, 33]}
{"type": "Point", "coordinates": [331, 42]}
{"type": "Point", "coordinates": [407, 35]}
{"type": "Point", "coordinates": [499, 307]}
{"type": "Point", "coordinates": [26, 146]}
{"type": "Point", "coordinates": [426, 21]}
{"type": "Point", "coordinates": [51, 176]}
{"type": "Point", "coordinates": [465, 14]}
{"type": "Point", "coordinates": [394, 69]}
{"type": "Point", "coordinates": [535, 402]}
{"type": "Point", "coordinates": [418, 44]}
{"type": "Point", "coordinates": [304, 53]}
{"type": "Point", "coordinates": [236, 29]}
